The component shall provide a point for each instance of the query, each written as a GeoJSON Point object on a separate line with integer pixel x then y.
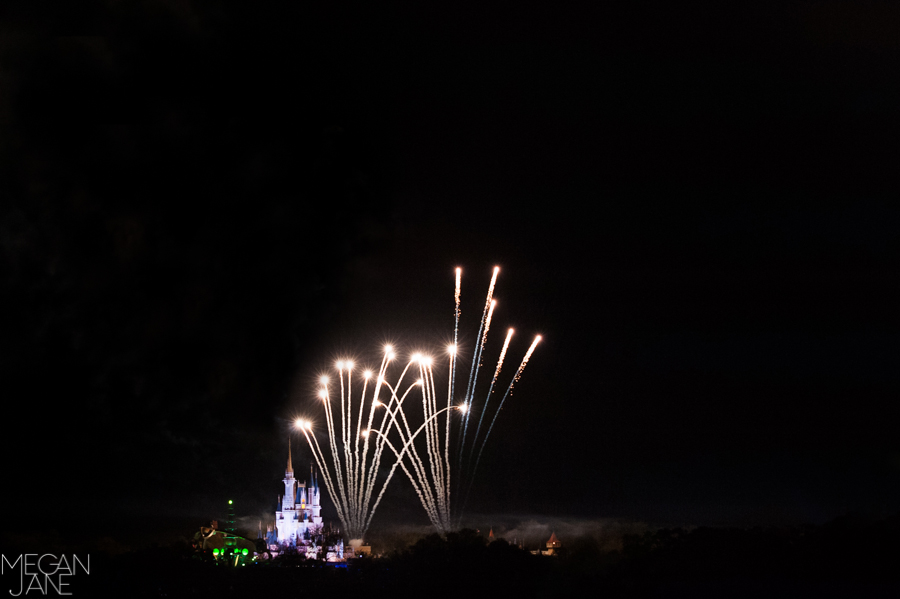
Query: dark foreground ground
{"type": "Point", "coordinates": [849, 557]}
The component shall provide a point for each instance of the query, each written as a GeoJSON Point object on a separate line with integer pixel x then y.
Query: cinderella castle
{"type": "Point", "coordinates": [298, 519]}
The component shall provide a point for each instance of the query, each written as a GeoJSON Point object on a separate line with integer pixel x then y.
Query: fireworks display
{"type": "Point", "coordinates": [378, 418]}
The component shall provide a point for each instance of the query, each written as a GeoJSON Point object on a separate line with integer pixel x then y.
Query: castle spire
{"type": "Point", "coordinates": [290, 468]}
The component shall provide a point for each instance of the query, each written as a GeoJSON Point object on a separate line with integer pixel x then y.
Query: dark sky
{"type": "Point", "coordinates": [695, 206]}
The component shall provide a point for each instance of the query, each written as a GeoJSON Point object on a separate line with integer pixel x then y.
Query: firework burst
{"type": "Point", "coordinates": [422, 449]}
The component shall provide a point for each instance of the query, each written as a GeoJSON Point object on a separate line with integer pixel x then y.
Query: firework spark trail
{"type": "Point", "coordinates": [388, 355]}
{"type": "Point", "coordinates": [380, 447]}
{"type": "Point", "coordinates": [432, 438]}
{"type": "Point", "coordinates": [348, 447]}
{"type": "Point", "coordinates": [425, 496]}
{"type": "Point", "coordinates": [379, 443]}
{"type": "Point", "coordinates": [415, 459]}
{"type": "Point", "coordinates": [476, 358]}
{"type": "Point", "coordinates": [418, 490]}
{"type": "Point", "coordinates": [356, 471]}
{"type": "Point", "coordinates": [431, 405]}
{"type": "Point", "coordinates": [440, 474]}
{"type": "Point", "coordinates": [385, 423]}
{"type": "Point", "coordinates": [470, 399]}
{"type": "Point", "coordinates": [426, 408]}
{"type": "Point", "coordinates": [334, 452]}
{"type": "Point", "coordinates": [351, 488]}
{"type": "Point", "coordinates": [447, 432]}
{"type": "Point", "coordinates": [515, 379]}
{"type": "Point", "coordinates": [435, 501]}
{"type": "Point", "coordinates": [344, 437]}
{"type": "Point", "coordinates": [443, 471]}
{"type": "Point", "coordinates": [352, 441]}
{"type": "Point", "coordinates": [491, 389]}
{"type": "Point", "coordinates": [346, 442]}
{"type": "Point", "coordinates": [401, 454]}
{"type": "Point", "coordinates": [451, 379]}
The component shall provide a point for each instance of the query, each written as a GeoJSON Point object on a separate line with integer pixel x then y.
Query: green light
{"type": "Point", "coordinates": [230, 502]}
{"type": "Point", "coordinates": [215, 552]}
{"type": "Point", "coordinates": [245, 551]}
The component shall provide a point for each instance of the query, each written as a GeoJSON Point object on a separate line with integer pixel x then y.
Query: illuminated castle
{"type": "Point", "coordinates": [298, 517]}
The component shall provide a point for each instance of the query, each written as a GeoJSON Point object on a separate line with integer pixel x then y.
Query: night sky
{"type": "Point", "coordinates": [695, 206]}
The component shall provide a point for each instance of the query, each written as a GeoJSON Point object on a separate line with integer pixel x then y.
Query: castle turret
{"type": "Point", "coordinates": [315, 500]}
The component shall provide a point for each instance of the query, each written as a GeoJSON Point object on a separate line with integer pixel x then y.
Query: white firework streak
{"type": "Point", "coordinates": [518, 374]}
{"type": "Point", "coordinates": [509, 335]}
{"type": "Point", "coordinates": [440, 524]}
{"type": "Point", "coordinates": [476, 358]}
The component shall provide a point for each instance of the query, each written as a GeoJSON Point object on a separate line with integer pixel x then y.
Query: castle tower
{"type": "Point", "coordinates": [553, 543]}
{"type": "Point", "coordinates": [229, 523]}
{"type": "Point", "coordinates": [286, 518]}
{"type": "Point", "coordinates": [288, 502]}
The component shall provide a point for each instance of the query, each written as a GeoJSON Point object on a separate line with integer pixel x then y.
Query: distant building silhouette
{"type": "Point", "coordinates": [553, 546]}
